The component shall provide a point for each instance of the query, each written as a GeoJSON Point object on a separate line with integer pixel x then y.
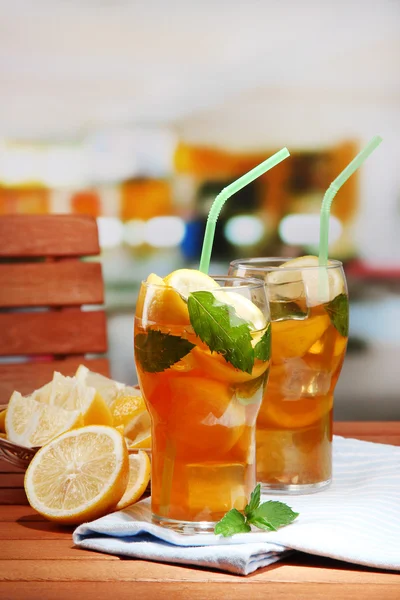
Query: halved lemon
{"type": "Point", "coordinates": [139, 477]}
{"type": "Point", "coordinates": [138, 431]}
{"type": "Point", "coordinates": [31, 423]}
{"type": "Point", "coordinates": [185, 281]}
{"type": "Point", "coordinates": [294, 279]}
{"type": "Point", "coordinates": [107, 388]}
{"type": "Point", "coordinates": [70, 394]}
{"type": "Point", "coordinates": [79, 476]}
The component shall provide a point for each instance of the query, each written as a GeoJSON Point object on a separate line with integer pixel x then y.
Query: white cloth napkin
{"type": "Point", "coordinates": [356, 519]}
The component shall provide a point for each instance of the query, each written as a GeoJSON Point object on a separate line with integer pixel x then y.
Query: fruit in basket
{"type": "Point", "coordinates": [79, 476]}
{"type": "Point", "coordinates": [107, 388]}
{"type": "Point", "coordinates": [31, 423]}
{"type": "Point", "coordinates": [3, 421]}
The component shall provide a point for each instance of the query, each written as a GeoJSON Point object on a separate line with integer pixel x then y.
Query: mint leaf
{"type": "Point", "coordinates": [157, 351]}
{"type": "Point", "coordinates": [262, 523]}
{"type": "Point", "coordinates": [273, 514]}
{"type": "Point", "coordinates": [254, 500]}
{"type": "Point", "coordinates": [232, 522]}
{"type": "Point", "coordinates": [268, 516]}
{"type": "Point", "coordinates": [224, 332]}
{"type": "Point", "coordinates": [262, 350]}
{"type": "Point", "coordinates": [338, 311]}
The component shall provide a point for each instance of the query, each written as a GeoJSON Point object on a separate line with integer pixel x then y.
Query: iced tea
{"type": "Point", "coordinates": [203, 396]}
{"type": "Point", "coordinates": [309, 314]}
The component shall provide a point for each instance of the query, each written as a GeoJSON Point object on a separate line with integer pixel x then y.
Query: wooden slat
{"type": "Point", "coordinates": [7, 467]}
{"type": "Point", "coordinates": [15, 513]}
{"type": "Point", "coordinates": [11, 480]}
{"type": "Point", "coordinates": [49, 550]}
{"type": "Point", "coordinates": [27, 377]}
{"type": "Point", "coordinates": [242, 588]}
{"type": "Point", "coordinates": [49, 235]}
{"type": "Point", "coordinates": [65, 283]}
{"type": "Point", "coordinates": [53, 332]}
{"type": "Point", "coordinates": [85, 570]}
{"type": "Point", "coordinates": [13, 496]}
{"type": "Point", "coordinates": [41, 530]}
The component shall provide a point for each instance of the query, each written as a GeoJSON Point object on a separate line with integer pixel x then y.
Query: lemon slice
{"type": "Point", "coordinates": [185, 281]}
{"type": "Point", "coordinates": [70, 394]}
{"type": "Point", "coordinates": [138, 431]}
{"type": "Point", "coordinates": [79, 476]}
{"type": "Point", "coordinates": [318, 285]}
{"type": "Point", "coordinates": [3, 421]}
{"type": "Point", "coordinates": [127, 405]}
{"type": "Point", "coordinates": [139, 477]}
{"type": "Point", "coordinates": [31, 423]}
{"type": "Point", "coordinates": [244, 307]}
{"type": "Point", "coordinates": [107, 388]}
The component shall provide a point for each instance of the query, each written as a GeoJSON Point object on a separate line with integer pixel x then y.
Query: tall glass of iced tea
{"type": "Point", "coordinates": [309, 314]}
{"type": "Point", "coordinates": [202, 350]}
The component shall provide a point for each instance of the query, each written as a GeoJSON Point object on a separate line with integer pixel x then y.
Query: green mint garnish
{"type": "Point", "coordinates": [262, 349]}
{"type": "Point", "coordinates": [232, 522]}
{"type": "Point", "coordinates": [224, 332]}
{"type": "Point", "coordinates": [338, 311]}
{"type": "Point", "coordinates": [268, 516]}
{"type": "Point", "coordinates": [157, 351]}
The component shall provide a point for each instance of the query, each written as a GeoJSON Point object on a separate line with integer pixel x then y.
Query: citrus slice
{"type": "Point", "coordinates": [107, 388]}
{"type": "Point", "coordinates": [3, 421]}
{"type": "Point", "coordinates": [292, 338]}
{"type": "Point", "coordinates": [160, 305]}
{"type": "Point", "coordinates": [139, 477]}
{"type": "Point", "coordinates": [215, 366]}
{"type": "Point", "coordinates": [185, 281]}
{"type": "Point", "coordinates": [294, 279]}
{"type": "Point", "coordinates": [295, 414]}
{"type": "Point", "coordinates": [70, 394]}
{"type": "Point", "coordinates": [31, 423]}
{"type": "Point", "coordinates": [244, 307]}
{"type": "Point", "coordinates": [138, 431]}
{"type": "Point", "coordinates": [128, 403]}
{"type": "Point", "coordinates": [79, 476]}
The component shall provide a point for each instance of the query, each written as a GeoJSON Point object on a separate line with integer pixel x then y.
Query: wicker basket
{"type": "Point", "coordinates": [20, 456]}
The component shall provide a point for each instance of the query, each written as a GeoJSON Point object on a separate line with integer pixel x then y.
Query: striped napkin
{"type": "Point", "coordinates": [356, 519]}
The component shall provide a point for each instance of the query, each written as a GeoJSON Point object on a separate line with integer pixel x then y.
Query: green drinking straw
{"type": "Point", "coordinates": [333, 190]}
{"type": "Point", "coordinates": [227, 193]}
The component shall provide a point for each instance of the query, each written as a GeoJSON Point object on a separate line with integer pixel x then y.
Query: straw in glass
{"type": "Point", "coordinates": [227, 193]}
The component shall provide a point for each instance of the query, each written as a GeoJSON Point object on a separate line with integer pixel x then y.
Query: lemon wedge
{"type": "Point", "coordinates": [70, 394]}
{"type": "Point", "coordinates": [31, 423]}
{"type": "Point", "coordinates": [3, 421]}
{"type": "Point", "coordinates": [128, 403]}
{"type": "Point", "coordinates": [244, 307]}
{"type": "Point", "coordinates": [319, 285]}
{"type": "Point", "coordinates": [139, 477]}
{"type": "Point", "coordinates": [138, 431]}
{"type": "Point", "coordinates": [79, 476]}
{"type": "Point", "coordinates": [107, 388]}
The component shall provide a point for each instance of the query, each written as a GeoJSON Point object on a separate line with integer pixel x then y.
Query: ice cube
{"type": "Point", "coordinates": [302, 381]}
{"type": "Point", "coordinates": [216, 488]}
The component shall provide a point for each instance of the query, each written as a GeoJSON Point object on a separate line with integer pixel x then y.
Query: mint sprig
{"type": "Point", "coordinates": [268, 516]}
{"type": "Point", "coordinates": [262, 350]}
{"type": "Point", "coordinates": [220, 327]}
{"type": "Point", "coordinates": [338, 311]}
{"type": "Point", "coordinates": [157, 351]}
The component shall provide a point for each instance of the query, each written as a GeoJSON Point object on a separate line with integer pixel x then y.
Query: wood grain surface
{"type": "Point", "coordinates": [66, 283]}
{"type": "Point", "coordinates": [39, 561]}
{"type": "Point", "coordinates": [60, 332]}
{"type": "Point", "coordinates": [48, 235]}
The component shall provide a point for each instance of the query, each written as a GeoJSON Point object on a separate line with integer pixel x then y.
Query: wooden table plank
{"type": "Point", "coordinates": [138, 570]}
{"type": "Point", "coordinates": [49, 550]}
{"type": "Point", "coordinates": [193, 591]}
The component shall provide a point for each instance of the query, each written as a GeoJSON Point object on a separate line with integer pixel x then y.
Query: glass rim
{"type": "Point", "coordinates": [250, 283]}
{"type": "Point", "coordinates": [252, 262]}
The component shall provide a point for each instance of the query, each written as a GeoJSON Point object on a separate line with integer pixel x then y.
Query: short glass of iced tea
{"type": "Point", "coordinates": [202, 360]}
{"type": "Point", "coordinates": [309, 320]}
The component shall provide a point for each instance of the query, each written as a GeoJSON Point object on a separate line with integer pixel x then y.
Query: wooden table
{"type": "Point", "coordinates": [38, 560]}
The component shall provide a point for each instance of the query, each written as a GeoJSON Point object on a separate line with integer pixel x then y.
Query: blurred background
{"type": "Point", "coordinates": [139, 113]}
